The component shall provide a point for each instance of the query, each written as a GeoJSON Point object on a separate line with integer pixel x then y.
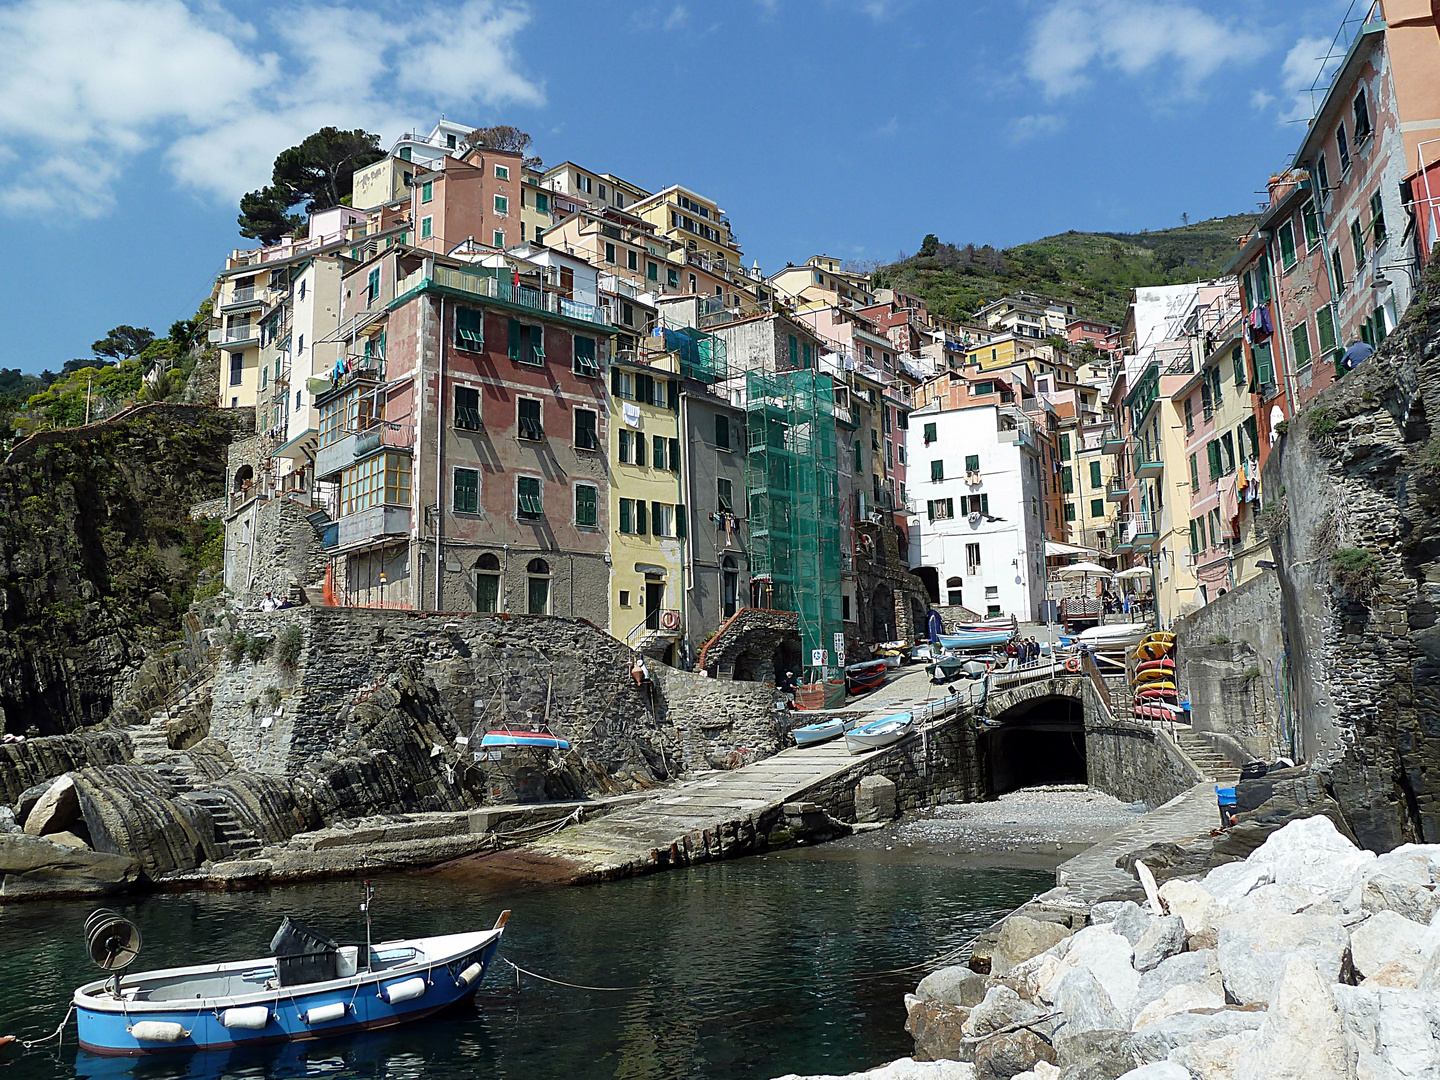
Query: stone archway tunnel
{"type": "Point", "coordinates": [1036, 736]}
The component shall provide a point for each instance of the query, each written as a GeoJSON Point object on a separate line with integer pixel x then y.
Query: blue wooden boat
{"type": "Point", "coordinates": [877, 733]}
{"type": "Point", "coordinates": [973, 639]}
{"type": "Point", "coordinates": [542, 739]}
{"type": "Point", "coordinates": [824, 731]}
{"type": "Point", "coordinates": [257, 1002]}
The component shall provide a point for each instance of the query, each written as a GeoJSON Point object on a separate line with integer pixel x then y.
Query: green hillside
{"type": "Point", "coordinates": [1096, 271]}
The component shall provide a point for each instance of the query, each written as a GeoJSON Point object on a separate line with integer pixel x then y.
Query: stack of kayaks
{"type": "Point", "coordinates": [1156, 697]}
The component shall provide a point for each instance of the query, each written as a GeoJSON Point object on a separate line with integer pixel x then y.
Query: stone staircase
{"type": "Point", "coordinates": [1214, 765]}
{"type": "Point", "coordinates": [152, 750]}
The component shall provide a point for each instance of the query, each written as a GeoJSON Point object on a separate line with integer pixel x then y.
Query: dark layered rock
{"type": "Point", "coordinates": [267, 807]}
{"type": "Point", "coordinates": [28, 764]}
{"type": "Point", "coordinates": [132, 812]}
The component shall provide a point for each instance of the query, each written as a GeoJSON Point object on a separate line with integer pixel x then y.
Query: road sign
{"type": "Point", "coordinates": [819, 657]}
{"type": "Point", "coordinates": [840, 649]}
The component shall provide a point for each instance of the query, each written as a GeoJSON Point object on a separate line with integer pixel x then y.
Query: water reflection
{"type": "Point", "coordinates": [739, 970]}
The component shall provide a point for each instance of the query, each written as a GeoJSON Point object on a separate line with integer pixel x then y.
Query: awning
{"type": "Point", "coordinates": [1054, 550]}
{"type": "Point", "coordinates": [1083, 568]}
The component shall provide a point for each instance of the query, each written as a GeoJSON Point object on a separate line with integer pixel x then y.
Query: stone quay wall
{"type": "Point", "coordinates": [1133, 762]}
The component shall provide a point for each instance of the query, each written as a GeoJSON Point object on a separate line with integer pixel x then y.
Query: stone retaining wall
{"type": "Point", "coordinates": [1131, 761]}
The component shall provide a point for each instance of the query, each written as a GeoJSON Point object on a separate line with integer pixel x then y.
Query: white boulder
{"type": "Point", "coordinates": [1311, 852]}
{"type": "Point", "coordinates": [1396, 1033]}
{"type": "Point", "coordinates": [1194, 903]}
{"type": "Point", "coordinates": [904, 1069]}
{"type": "Point", "coordinates": [1389, 939]}
{"type": "Point", "coordinates": [1107, 955]}
{"type": "Point", "coordinates": [1162, 939]}
{"type": "Point", "coordinates": [1160, 1070]}
{"type": "Point", "coordinates": [1216, 1059]}
{"type": "Point", "coordinates": [1253, 950]}
{"type": "Point", "coordinates": [1302, 1037]}
{"type": "Point", "coordinates": [1188, 997]}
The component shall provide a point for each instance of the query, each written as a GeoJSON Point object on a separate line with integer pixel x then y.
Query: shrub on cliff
{"type": "Point", "coordinates": [1354, 571]}
{"type": "Point", "coordinates": [288, 645]}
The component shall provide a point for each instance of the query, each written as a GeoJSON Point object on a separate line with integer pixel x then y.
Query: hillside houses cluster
{"type": "Point", "coordinates": [484, 386]}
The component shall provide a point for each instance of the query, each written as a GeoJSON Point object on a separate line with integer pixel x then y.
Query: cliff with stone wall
{"type": "Point", "coordinates": [1355, 525]}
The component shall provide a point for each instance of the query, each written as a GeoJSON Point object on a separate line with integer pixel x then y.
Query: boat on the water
{"type": "Point", "coordinates": [878, 733]}
{"type": "Point", "coordinates": [542, 739]}
{"type": "Point", "coordinates": [865, 676]}
{"type": "Point", "coordinates": [824, 731]}
{"type": "Point", "coordinates": [312, 989]}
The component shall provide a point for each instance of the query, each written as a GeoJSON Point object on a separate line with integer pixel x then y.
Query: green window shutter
{"type": "Point", "coordinates": [1312, 224]}
{"type": "Point", "coordinates": [1067, 480]}
{"type": "Point", "coordinates": [1194, 548]}
{"type": "Point", "coordinates": [805, 358]}
{"type": "Point", "coordinates": [1212, 453]}
{"type": "Point", "coordinates": [1237, 360]}
{"type": "Point", "coordinates": [674, 455]}
{"type": "Point", "coordinates": [1095, 474]}
{"type": "Point", "coordinates": [672, 394]}
{"type": "Point", "coordinates": [657, 516]}
{"type": "Point", "coordinates": [949, 508]}
{"type": "Point", "coordinates": [615, 381]}
{"type": "Point", "coordinates": [537, 344]}
{"type": "Point", "coordinates": [985, 505]}
{"type": "Point", "coordinates": [722, 431]}
{"type": "Point", "coordinates": [937, 471]}
{"type": "Point", "coordinates": [972, 462]}
{"type": "Point", "coordinates": [1064, 447]}
{"type": "Point", "coordinates": [640, 528]}
{"type": "Point", "coordinates": [930, 509]}
{"type": "Point", "coordinates": [680, 527]}
{"type": "Point", "coordinates": [1287, 245]}
{"type": "Point", "coordinates": [586, 510]}
{"type": "Point", "coordinates": [658, 459]}
{"type": "Point", "coordinates": [467, 491]}
{"type": "Point", "coordinates": [639, 448]}
{"type": "Point", "coordinates": [1194, 473]}
{"type": "Point", "coordinates": [794, 351]}
{"type": "Point", "coordinates": [514, 339]}
{"type": "Point", "coordinates": [858, 460]}
{"type": "Point", "coordinates": [1300, 339]}
{"type": "Point", "coordinates": [1069, 511]}
{"type": "Point", "coordinates": [626, 508]}
{"type": "Point", "coordinates": [929, 434]}
{"type": "Point", "coordinates": [1325, 327]}
{"type": "Point", "coordinates": [1097, 508]}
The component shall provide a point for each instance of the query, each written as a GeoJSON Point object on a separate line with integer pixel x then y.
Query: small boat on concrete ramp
{"type": "Point", "coordinates": [878, 733]}
{"type": "Point", "coordinates": [310, 989]}
{"type": "Point", "coordinates": [824, 731]}
{"type": "Point", "coordinates": [864, 676]}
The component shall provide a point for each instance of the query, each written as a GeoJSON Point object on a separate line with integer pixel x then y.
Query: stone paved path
{"type": "Point", "coordinates": [1093, 873]}
{"type": "Point", "coordinates": [710, 802]}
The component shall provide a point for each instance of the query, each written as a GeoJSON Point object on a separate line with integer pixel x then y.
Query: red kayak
{"type": "Point", "coordinates": [1157, 665]}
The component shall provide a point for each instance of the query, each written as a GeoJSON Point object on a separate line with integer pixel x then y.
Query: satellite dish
{"type": "Point", "coordinates": [112, 940]}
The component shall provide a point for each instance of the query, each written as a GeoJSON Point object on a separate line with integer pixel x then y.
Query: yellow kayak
{"type": "Point", "coordinates": [1155, 646]}
{"type": "Point", "coordinates": [1144, 678]}
{"type": "Point", "coordinates": [1165, 686]}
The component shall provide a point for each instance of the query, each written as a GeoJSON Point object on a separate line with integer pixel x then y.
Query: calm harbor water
{"type": "Point", "coordinates": [744, 970]}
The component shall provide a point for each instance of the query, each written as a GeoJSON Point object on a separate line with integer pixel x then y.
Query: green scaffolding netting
{"type": "Point", "coordinates": [794, 496]}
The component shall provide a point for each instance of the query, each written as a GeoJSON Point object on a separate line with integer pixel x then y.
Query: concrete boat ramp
{"type": "Point", "coordinates": [794, 795]}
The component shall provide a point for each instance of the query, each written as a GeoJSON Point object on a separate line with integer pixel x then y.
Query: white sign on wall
{"type": "Point", "coordinates": [819, 657]}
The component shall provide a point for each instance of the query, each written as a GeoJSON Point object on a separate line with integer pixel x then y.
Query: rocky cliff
{"type": "Point", "coordinates": [1356, 532]}
{"type": "Point", "coordinates": [99, 556]}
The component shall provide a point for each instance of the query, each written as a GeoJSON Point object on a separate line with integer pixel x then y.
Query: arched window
{"type": "Point", "coordinates": [953, 583]}
{"type": "Point", "coordinates": [488, 561]}
{"type": "Point", "coordinates": [538, 566]}
{"type": "Point", "coordinates": [244, 476]}
{"type": "Point", "coordinates": [487, 583]}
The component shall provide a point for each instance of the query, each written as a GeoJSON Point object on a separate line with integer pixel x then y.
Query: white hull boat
{"type": "Point", "coordinates": [878, 733]}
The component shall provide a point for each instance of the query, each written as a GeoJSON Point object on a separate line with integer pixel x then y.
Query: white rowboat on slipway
{"type": "Point", "coordinates": [811, 734]}
{"type": "Point", "coordinates": [1101, 637]}
{"type": "Point", "coordinates": [878, 733]}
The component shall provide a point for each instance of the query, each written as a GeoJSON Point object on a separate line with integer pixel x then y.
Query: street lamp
{"type": "Point", "coordinates": [382, 588]}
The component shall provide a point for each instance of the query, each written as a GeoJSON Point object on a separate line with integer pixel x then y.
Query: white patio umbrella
{"type": "Point", "coordinates": [1087, 568]}
{"type": "Point", "coordinates": [1134, 572]}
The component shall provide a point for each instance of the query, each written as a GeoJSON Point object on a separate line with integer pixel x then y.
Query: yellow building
{"type": "Point", "coordinates": [535, 202]}
{"type": "Point", "coordinates": [822, 282]}
{"type": "Point", "coordinates": [647, 586]}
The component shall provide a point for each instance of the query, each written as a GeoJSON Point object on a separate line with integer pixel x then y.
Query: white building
{"type": "Point", "coordinates": [976, 537]}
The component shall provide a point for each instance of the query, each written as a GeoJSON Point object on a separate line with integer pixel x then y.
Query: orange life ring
{"type": "Point", "coordinates": [1073, 665]}
{"type": "Point", "coordinates": [670, 620]}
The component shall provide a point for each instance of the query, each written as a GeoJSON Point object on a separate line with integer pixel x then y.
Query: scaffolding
{"type": "Point", "coordinates": [701, 354]}
{"type": "Point", "coordinates": [794, 492]}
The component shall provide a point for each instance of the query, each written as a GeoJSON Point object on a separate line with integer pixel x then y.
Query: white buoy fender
{"type": "Point", "coordinates": [158, 1031]}
{"type": "Point", "coordinates": [252, 1018]}
{"type": "Point", "coordinates": [404, 991]}
{"type": "Point", "coordinates": [321, 1013]}
{"type": "Point", "coordinates": [469, 975]}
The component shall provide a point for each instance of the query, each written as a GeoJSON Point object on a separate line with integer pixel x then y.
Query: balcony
{"type": "Point", "coordinates": [495, 288]}
{"type": "Point", "coordinates": [329, 460]}
{"type": "Point", "coordinates": [249, 296]}
{"type": "Point", "coordinates": [1142, 529]}
{"type": "Point", "coordinates": [373, 524]}
{"type": "Point", "coordinates": [1146, 467]}
{"type": "Point", "coordinates": [244, 334]}
{"type": "Point", "coordinates": [1116, 490]}
{"type": "Point", "coordinates": [1112, 442]}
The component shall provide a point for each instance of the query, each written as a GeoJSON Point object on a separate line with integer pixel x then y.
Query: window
{"type": "Point", "coordinates": [497, 238]}
{"type": "Point", "coordinates": [1189, 416]}
{"type": "Point", "coordinates": [1195, 536]}
{"type": "Point", "coordinates": [1067, 480]}
{"type": "Point", "coordinates": [725, 495]}
{"type": "Point", "coordinates": [1312, 225]}
{"type": "Point", "coordinates": [1342, 144]}
{"type": "Point", "coordinates": [487, 584]}
{"type": "Point", "coordinates": [1362, 116]}
{"type": "Point", "coordinates": [1322, 174]}
{"type": "Point", "coordinates": [467, 408]}
{"type": "Point", "coordinates": [502, 172]}
{"type": "Point", "coordinates": [383, 478]}
{"type": "Point", "coordinates": [527, 497]}
{"type": "Point", "coordinates": [639, 449]}
{"type": "Point", "coordinates": [976, 504]}
{"type": "Point", "coordinates": [1287, 245]}
{"type": "Point", "coordinates": [1264, 363]}
{"type": "Point", "coordinates": [675, 455]}
{"type": "Point", "coordinates": [624, 597]}
{"type": "Point", "coordinates": [1212, 454]}
{"type": "Point", "coordinates": [469, 330]}
{"type": "Point", "coordinates": [466, 498]}
{"type": "Point", "coordinates": [1377, 219]}
{"type": "Point", "coordinates": [1214, 517]}
{"type": "Point", "coordinates": [538, 587]}
{"type": "Point", "coordinates": [1339, 270]}
{"type": "Point", "coordinates": [937, 471]}
{"type": "Point", "coordinates": [929, 434]}
{"type": "Point", "coordinates": [1300, 339]}
{"type": "Point", "coordinates": [652, 270]}
{"type": "Point", "coordinates": [632, 260]}
{"type": "Point", "coordinates": [372, 287]}
{"type": "Point", "coordinates": [585, 360]}
{"type": "Point", "coordinates": [658, 457]}
{"type": "Point", "coordinates": [586, 433]}
{"type": "Point", "coordinates": [972, 463]}
{"type": "Point", "coordinates": [237, 368]}
{"type": "Point", "coordinates": [627, 452]}
{"type": "Point", "coordinates": [426, 227]}
{"type": "Point", "coordinates": [542, 204]}
{"type": "Point", "coordinates": [1194, 474]}
{"type": "Point", "coordinates": [627, 314]}
{"type": "Point", "coordinates": [529, 413]}
{"type": "Point", "coordinates": [1097, 508]}
{"type": "Point", "coordinates": [1325, 328]}
{"type": "Point", "coordinates": [427, 191]}
{"type": "Point", "coordinates": [1069, 511]}
{"type": "Point", "coordinates": [672, 277]}
{"type": "Point", "coordinates": [502, 205]}
{"type": "Point", "coordinates": [972, 557]}
{"type": "Point", "coordinates": [661, 520]}
{"type": "Point", "coordinates": [1357, 241]}
{"type": "Point", "coordinates": [940, 509]}
{"type": "Point", "coordinates": [627, 515]}
{"type": "Point", "coordinates": [1095, 480]}
{"type": "Point", "coordinates": [806, 356]}
{"type": "Point", "coordinates": [1227, 447]}
{"type": "Point", "coordinates": [526, 344]}
{"type": "Point", "coordinates": [722, 432]}
{"type": "Point", "coordinates": [587, 508]}
{"type": "Point", "coordinates": [1237, 361]}
{"type": "Point", "coordinates": [610, 253]}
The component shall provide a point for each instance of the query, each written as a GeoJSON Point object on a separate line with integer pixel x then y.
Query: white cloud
{"type": "Point", "coordinates": [1300, 71]}
{"type": "Point", "coordinates": [1074, 40]}
{"type": "Point", "coordinates": [676, 18]}
{"type": "Point", "coordinates": [92, 86]}
{"type": "Point", "coordinates": [1034, 126]}
{"type": "Point", "coordinates": [1260, 100]}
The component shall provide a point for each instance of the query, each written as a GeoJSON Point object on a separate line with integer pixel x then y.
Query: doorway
{"type": "Point", "coordinates": [654, 601]}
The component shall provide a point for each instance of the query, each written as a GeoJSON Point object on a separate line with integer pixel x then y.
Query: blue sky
{"type": "Point", "coordinates": [128, 128]}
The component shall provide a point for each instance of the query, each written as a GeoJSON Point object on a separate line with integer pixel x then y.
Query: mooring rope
{"type": "Point", "coordinates": [574, 986]}
{"type": "Point", "coordinates": [58, 1033]}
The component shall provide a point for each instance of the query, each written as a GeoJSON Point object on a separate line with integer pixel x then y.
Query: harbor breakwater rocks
{"type": "Point", "coordinates": [1309, 959]}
